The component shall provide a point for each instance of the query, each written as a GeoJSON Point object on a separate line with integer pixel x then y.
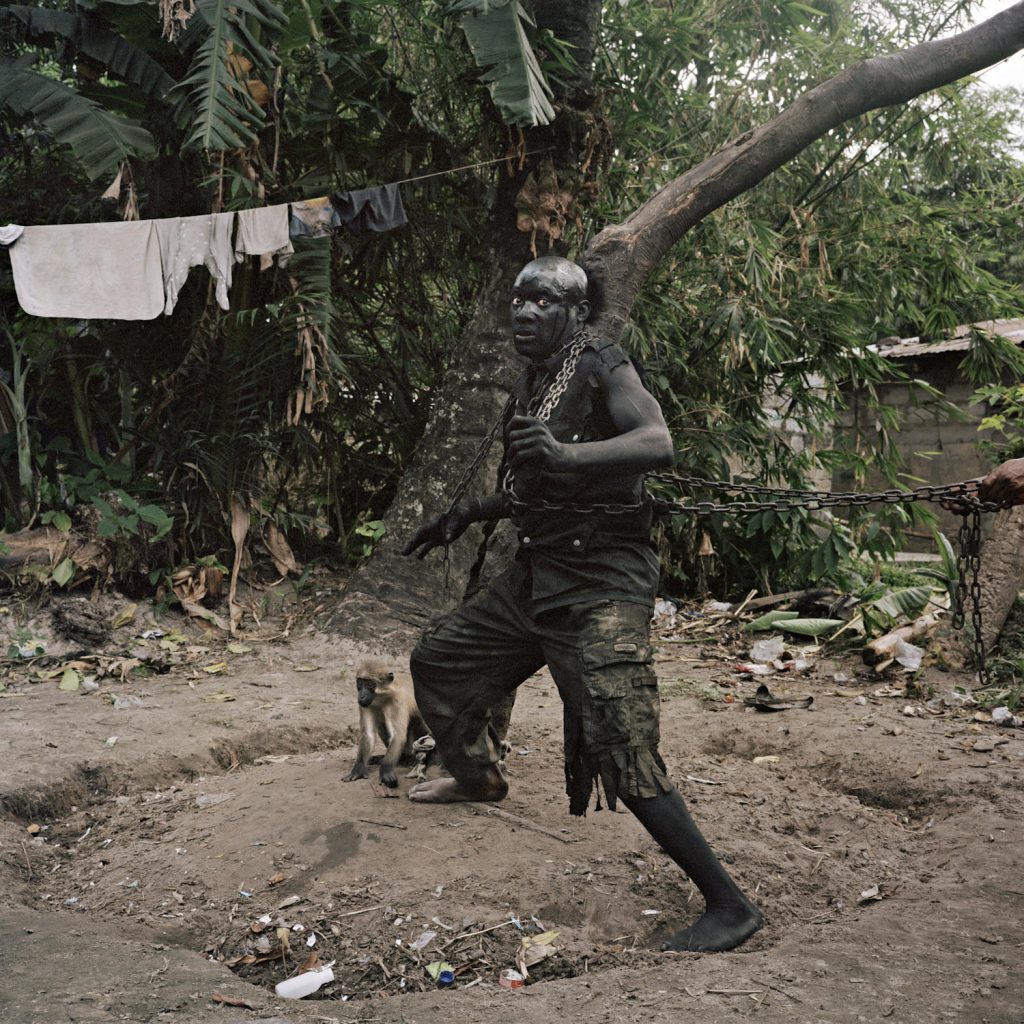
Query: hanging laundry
{"type": "Point", "coordinates": [108, 271]}
{"type": "Point", "coordinates": [370, 209]}
{"type": "Point", "coordinates": [9, 235]}
{"type": "Point", "coordinates": [187, 242]}
{"type": "Point", "coordinates": [264, 233]}
{"type": "Point", "coordinates": [313, 218]}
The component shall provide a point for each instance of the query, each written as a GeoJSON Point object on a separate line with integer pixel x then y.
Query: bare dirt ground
{"type": "Point", "coordinates": [135, 871]}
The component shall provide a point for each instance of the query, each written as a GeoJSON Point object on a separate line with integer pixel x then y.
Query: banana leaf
{"type": "Point", "coordinates": [906, 603]}
{"type": "Point", "coordinates": [99, 140]}
{"type": "Point", "coordinates": [496, 33]}
{"type": "Point", "coordinates": [809, 627]}
{"type": "Point", "coordinates": [768, 620]}
{"type": "Point", "coordinates": [949, 574]}
{"type": "Point", "coordinates": [87, 37]}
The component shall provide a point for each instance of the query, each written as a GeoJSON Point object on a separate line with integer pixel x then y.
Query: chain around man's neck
{"type": "Point", "coordinates": [544, 402]}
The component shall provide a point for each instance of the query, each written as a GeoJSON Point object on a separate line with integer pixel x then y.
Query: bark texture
{"type": "Point", "coordinates": [1002, 572]}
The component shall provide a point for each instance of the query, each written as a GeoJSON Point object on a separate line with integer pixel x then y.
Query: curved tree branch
{"type": "Point", "coordinates": [624, 255]}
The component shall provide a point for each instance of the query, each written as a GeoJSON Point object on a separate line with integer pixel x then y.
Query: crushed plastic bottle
{"type": "Point", "coordinates": [767, 650]}
{"type": "Point", "coordinates": [305, 984]}
{"type": "Point", "coordinates": [1004, 716]}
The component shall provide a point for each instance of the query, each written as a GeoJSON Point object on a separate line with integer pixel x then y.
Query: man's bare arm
{"type": "Point", "coordinates": [644, 443]}
{"type": "Point", "coordinates": [1005, 483]}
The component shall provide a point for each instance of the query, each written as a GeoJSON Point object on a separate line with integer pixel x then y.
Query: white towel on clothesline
{"type": "Point", "coordinates": [263, 232]}
{"type": "Point", "coordinates": [89, 271]}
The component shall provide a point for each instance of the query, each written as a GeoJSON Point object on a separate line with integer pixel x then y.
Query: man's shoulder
{"type": "Point", "coordinates": [604, 353]}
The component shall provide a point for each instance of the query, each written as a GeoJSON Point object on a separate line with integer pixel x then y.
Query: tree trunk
{"type": "Point", "coordinates": [390, 598]}
{"type": "Point", "coordinates": [1002, 572]}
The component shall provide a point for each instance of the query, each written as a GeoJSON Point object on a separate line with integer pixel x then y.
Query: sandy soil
{"type": "Point", "coordinates": [135, 874]}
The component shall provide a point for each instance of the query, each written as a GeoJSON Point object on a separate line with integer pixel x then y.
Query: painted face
{"type": "Point", "coordinates": [545, 311]}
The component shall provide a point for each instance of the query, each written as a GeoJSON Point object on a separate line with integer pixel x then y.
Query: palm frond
{"type": "Point", "coordinates": [87, 37]}
{"type": "Point", "coordinates": [100, 140]}
{"type": "Point", "coordinates": [225, 115]}
{"type": "Point", "coordinates": [496, 33]}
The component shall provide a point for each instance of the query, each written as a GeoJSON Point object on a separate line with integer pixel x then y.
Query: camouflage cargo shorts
{"type": "Point", "coordinates": [601, 659]}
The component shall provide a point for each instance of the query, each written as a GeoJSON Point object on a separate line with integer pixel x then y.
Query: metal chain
{"type": "Point", "coordinates": [543, 403]}
{"type": "Point", "coordinates": [466, 479]}
{"type": "Point", "coordinates": [960, 498]}
{"type": "Point", "coordinates": [548, 399]}
{"type": "Point", "coordinates": [968, 564]}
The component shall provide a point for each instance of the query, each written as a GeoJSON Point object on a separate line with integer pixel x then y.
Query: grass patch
{"type": "Point", "coordinates": [691, 688]}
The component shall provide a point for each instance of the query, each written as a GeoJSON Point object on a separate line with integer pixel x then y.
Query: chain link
{"type": "Point", "coordinates": [959, 498]}
{"type": "Point", "coordinates": [543, 403]}
{"type": "Point", "coordinates": [465, 480]}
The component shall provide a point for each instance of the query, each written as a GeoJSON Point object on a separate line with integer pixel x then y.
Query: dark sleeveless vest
{"type": "Point", "coordinates": [574, 557]}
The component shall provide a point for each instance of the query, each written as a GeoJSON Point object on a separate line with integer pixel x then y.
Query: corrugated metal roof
{"type": "Point", "coordinates": [958, 341]}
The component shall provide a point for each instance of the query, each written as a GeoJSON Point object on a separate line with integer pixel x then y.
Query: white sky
{"type": "Point", "coordinates": [1011, 71]}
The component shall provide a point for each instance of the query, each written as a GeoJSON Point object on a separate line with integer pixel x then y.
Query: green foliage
{"type": "Point", "coordinates": [63, 572]}
{"type": "Point", "coordinates": [1005, 421]}
{"type": "Point", "coordinates": [372, 532]}
{"type": "Point", "coordinates": [763, 322]}
{"type": "Point", "coordinates": [311, 394]}
{"type": "Point", "coordinates": [225, 113]}
{"type": "Point", "coordinates": [87, 38]}
{"type": "Point", "coordinates": [99, 139]}
{"type": "Point", "coordinates": [768, 621]}
{"type": "Point", "coordinates": [1006, 665]}
{"type": "Point", "coordinates": [894, 607]}
{"type": "Point", "coordinates": [809, 627]}
{"type": "Point", "coordinates": [496, 33]}
{"type": "Point", "coordinates": [100, 488]}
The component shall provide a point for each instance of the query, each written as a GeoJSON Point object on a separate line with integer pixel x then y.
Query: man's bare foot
{"type": "Point", "coordinates": [718, 929]}
{"type": "Point", "coordinates": [451, 791]}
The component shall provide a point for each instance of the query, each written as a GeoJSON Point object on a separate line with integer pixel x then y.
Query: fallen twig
{"type": "Point", "coordinates": [365, 910]}
{"type": "Point", "coordinates": [28, 863]}
{"type": "Point", "coordinates": [482, 931]}
{"type": "Point", "coordinates": [383, 824]}
{"type": "Point", "coordinates": [775, 988]}
{"type": "Point", "coordinates": [497, 812]}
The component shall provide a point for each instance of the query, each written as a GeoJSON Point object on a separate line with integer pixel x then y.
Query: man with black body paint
{"type": "Point", "coordinates": [578, 596]}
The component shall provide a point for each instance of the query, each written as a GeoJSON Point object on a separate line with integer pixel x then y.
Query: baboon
{"type": "Point", "coordinates": [387, 708]}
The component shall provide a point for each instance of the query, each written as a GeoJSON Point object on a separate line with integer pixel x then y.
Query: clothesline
{"type": "Point", "coordinates": [134, 270]}
{"type": "Point", "coordinates": [468, 167]}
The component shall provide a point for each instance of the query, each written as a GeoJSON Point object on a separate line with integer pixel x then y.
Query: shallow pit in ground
{"type": "Point", "coordinates": [219, 863]}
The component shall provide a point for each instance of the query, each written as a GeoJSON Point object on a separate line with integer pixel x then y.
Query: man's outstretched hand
{"type": "Point", "coordinates": [440, 531]}
{"type": "Point", "coordinates": [1004, 484]}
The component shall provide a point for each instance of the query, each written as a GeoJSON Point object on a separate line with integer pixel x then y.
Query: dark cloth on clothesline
{"type": "Point", "coordinates": [370, 209]}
